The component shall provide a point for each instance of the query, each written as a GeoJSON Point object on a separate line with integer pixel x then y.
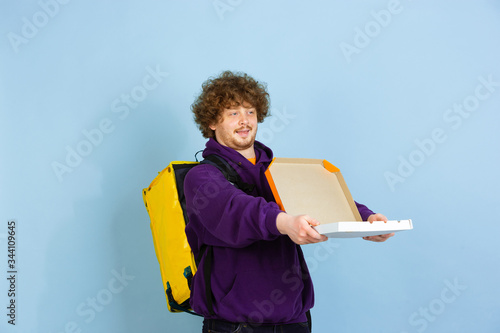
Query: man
{"type": "Point", "coordinates": [259, 278]}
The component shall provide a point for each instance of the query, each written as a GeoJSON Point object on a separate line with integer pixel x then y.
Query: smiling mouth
{"type": "Point", "coordinates": [243, 132]}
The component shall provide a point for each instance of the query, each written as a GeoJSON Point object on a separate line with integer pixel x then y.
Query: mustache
{"type": "Point", "coordinates": [244, 128]}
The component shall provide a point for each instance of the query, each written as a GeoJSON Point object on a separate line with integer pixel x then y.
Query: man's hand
{"type": "Point", "coordinates": [379, 238]}
{"type": "Point", "coordinates": [299, 228]}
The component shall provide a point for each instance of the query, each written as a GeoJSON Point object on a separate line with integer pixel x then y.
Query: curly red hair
{"type": "Point", "coordinates": [225, 91]}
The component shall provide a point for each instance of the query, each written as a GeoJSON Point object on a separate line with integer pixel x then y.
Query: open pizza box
{"type": "Point", "coordinates": [316, 187]}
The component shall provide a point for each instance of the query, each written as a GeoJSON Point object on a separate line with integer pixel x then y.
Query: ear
{"type": "Point", "coordinates": [212, 127]}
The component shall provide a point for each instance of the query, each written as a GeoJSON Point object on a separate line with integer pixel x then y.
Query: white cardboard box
{"type": "Point", "coordinates": [362, 229]}
{"type": "Point", "coordinates": [316, 187]}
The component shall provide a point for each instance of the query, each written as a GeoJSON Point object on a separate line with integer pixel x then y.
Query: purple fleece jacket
{"type": "Point", "coordinates": [258, 275]}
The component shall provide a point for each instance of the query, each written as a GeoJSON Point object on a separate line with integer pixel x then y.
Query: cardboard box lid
{"type": "Point", "coordinates": [311, 186]}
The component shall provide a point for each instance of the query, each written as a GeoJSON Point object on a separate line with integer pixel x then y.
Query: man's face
{"type": "Point", "coordinates": [237, 128]}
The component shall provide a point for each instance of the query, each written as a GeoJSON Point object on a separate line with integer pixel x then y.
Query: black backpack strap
{"type": "Point", "coordinates": [207, 276]}
{"type": "Point", "coordinates": [309, 320]}
{"type": "Point", "coordinates": [174, 305]}
{"type": "Point", "coordinates": [229, 173]}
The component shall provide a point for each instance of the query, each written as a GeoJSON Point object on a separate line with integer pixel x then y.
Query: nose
{"type": "Point", "coordinates": [243, 119]}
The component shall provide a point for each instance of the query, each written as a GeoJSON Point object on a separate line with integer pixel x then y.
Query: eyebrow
{"type": "Point", "coordinates": [234, 108]}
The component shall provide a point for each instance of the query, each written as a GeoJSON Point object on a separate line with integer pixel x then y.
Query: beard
{"type": "Point", "coordinates": [238, 141]}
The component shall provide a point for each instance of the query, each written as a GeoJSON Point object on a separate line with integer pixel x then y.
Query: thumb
{"type": "Point", "coordinates": [312, 221]}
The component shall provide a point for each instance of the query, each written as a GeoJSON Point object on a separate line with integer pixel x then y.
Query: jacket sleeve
{"type": "Point", "coordinates": [364, 211]}
{"type": "Point", "coordinates": [222, 215]}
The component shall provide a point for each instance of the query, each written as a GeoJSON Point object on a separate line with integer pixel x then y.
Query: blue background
{"type": "Point", "coordinates": [363, 84]}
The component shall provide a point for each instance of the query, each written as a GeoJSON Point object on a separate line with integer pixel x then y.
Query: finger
{"type": "Point", "coordinates": [313, 234]}
{"type": "Point", "coordinates": [312, 221]}
{"type": "Point", "coordinates": [313, 240]}
{"type": "Point", "coordinates": [382, 217]}
{"type": "Point", "coordinates": [382, 238]}
{"type": "Point", "coordinates": [377, 217]}
{"type": "Point", "coordinates": [318, 237]}
{"type": "Point", "coordinates": [374, 238]}
{"type": "Point", "coordinates": [385, 236]}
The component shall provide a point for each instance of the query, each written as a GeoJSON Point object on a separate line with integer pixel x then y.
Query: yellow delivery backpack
{"type": "Point", "coordinates": [165, 203]}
